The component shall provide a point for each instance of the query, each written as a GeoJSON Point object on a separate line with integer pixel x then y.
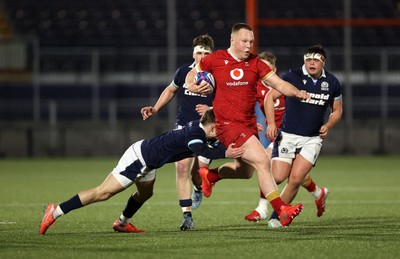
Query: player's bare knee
{"type": "Point", "coordinates": [104, 195]}
{"type": "Point", "coordinates": [296, 180]}
{"type": "Point", "coordinates": [279, 179]}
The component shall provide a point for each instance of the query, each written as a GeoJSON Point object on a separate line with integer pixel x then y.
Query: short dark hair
{"type": "Point", "coordinates": [208, 117]}
{"type": "Point", "coordinates": [316, 49]}
{"type": "Point", "coordinates": [205, 41]}
{"type": "Point", "coordinates": [238, 26]}
{"type": "Point", "coordinates": [268, 56]}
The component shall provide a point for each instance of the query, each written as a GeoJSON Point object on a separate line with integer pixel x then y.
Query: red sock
{"type": "Point", "coordinates": [213, 175]}
{"type": "Point", "coordinates": [311, 186]}
{"type": "Point", "coordinates": [275, 200]}
{"type": "Point", "coordinates": [277, 204]}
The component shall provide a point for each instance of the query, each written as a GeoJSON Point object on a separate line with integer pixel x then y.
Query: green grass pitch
{"type": "Point", "coordinates": [362, 219]}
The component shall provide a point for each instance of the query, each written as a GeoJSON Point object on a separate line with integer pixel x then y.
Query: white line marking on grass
{"type": "Point", "coordinates": [7, 223]}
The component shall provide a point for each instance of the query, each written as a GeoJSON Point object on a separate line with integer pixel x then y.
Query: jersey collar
{"type": "Point", "coordinates": [233, 56]}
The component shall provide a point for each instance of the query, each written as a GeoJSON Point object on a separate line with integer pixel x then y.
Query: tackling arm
{"type": "Point", "coordinates": [215, 152]}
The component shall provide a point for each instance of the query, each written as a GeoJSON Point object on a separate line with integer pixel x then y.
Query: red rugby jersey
{"type": "Point", "coordinates": [235, 85]}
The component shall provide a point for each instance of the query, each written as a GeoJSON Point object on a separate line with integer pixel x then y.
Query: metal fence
{"type": "Point", "coordinates": [64, 85]}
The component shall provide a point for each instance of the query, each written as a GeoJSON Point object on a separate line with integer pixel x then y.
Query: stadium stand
{"type": "Point", "coordinates": [144, 23]}
{"type": "Point", "coordinates": [131, 39]}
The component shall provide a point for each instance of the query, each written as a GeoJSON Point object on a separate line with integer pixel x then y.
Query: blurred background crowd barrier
{"type": "Point", "coordinates": [74, 74]}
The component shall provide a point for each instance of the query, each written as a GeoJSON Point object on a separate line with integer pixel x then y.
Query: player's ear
{"type": "Point", "coordinates": [212, 128]}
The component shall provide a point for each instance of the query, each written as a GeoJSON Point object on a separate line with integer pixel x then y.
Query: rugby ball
{"type": "Point", "coordinates": [205, 76]}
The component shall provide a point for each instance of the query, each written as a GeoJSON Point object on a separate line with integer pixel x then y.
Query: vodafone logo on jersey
{"type": "Point", "coordinates": [237, 73]}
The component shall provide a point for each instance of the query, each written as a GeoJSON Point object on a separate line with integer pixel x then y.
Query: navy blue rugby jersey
{"type": "Point", "coordinates": [305, 118]}
{"type": "Point", "coordinates": [178, 144]}
{"type": "Point", "coordinates": [187, 99]}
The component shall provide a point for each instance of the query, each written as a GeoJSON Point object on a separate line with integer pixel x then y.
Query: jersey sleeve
{"type": "Point", "coordinates": [338, 91]}
{"type": "Point", "coordinates": [210, 152]}
{"type": "Point", "coordinates": [197, 142]}
{"type": "Point", "coordinates": [264, 70]}
{"type": "Point", "coordinates": [177, 81]}
{"type": "Point", "coordinates": [205, 63]}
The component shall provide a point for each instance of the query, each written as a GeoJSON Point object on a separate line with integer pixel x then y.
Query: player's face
{"type": "Point", "coordinates": [211, 133]}
{"type": "Point", "coordinates": [198, 55]}
{"type": "Point", "coordinates": [314, 67]}
{"type": "Point", "coordinates": [242, 43]}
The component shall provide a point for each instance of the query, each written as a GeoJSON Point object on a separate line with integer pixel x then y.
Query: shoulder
{"type": "Point", "coordinates": [292, 72]}
{"type": "Point", "coordinates": [218, 54]}
{"type": "Point", "coordinates": [333, 81]}
{"type": "Point", "coordinates": [331, 76]}
{"type": "Point", "coordinates": [193, 125]}
{"type": "Point", "coordinates": [184, 68]}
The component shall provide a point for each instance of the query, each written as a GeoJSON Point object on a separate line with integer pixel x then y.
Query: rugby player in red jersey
{"type": "Point", "coordinates": [236, 72]}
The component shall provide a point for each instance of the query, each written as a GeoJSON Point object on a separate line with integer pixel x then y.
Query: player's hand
{"type": "Point", "coordinates": [260, 127]}
{"type": "Point", "coordinates": [201, 109]}
{"type": "Point", "coordinates": [271, 132]}
{"type": "Point", "coordinates": [232, 152]}
{"type": "Point", "coordinates": [302, 95]}
{"type": "Point", "coordinates": [202, 88]}
{"type": "Point", "coordinates": [323, 131]}
{"type": "Point", "coordinates": [147, 112]}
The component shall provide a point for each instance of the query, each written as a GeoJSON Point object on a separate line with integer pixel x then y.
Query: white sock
{"type": "Point", "coordinates": [124, 220]}
{"type": "Point", "coordinates": [186, 209]}
{"type": "Point", "coordinates": [316, 193]}
{"type": "Point", "coordinates": [262, 207]}
{"type": "Point", "coordinates": [57, 212]}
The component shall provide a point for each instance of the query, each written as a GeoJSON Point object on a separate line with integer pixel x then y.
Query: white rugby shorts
{"type": "Point", "coordinates": [132, 159]}
{"type": "Point", "coordinates": [288, 145]}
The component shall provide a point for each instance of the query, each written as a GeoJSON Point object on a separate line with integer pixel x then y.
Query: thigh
{"type": "Point", "coordinates": [310, 148]}
{"type": "Point", "coordinates": [300, 168]}
{"type": "Point", "coordinates": [184, 165]}
{"type": "Point", "coordinates": [280, 170]}
{"type": "Point", "coordinates": [111, 185]}
{"type": "Point", "coordinates": [255, 153]}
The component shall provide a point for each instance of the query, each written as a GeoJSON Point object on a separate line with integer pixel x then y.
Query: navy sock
{"type": "Point", "coordinates": [185, 203]}
{"type": "Point", "coordinates": [187, 214]}
{"type": "Point", "coordinates": [274, 215]}
{"type": "Point", "coordinates": [131, 208]}
{"type": "Point", "coordinates": [71, 204]}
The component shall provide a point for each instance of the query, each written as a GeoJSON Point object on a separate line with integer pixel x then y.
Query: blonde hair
{"type": "Point", "coordinates": [268, 56]}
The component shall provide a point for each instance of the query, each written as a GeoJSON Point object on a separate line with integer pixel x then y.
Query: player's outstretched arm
{"type": "Point", "coordinates": [165, 97]}
{"type": "Point", "coordinates": [147, 112]}
{"type": "Point", "coordinates": [285, 88]}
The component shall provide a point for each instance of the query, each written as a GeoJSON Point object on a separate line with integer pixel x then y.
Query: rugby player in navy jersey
{"type": "Point", "coordinates": [260, 213]}
{"type": "Point", "coordinates": [138, 165]}
{"type": "Point", "coordinates": [299, 140]}
{"type": "Point", "coordinates": [191, 107]}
